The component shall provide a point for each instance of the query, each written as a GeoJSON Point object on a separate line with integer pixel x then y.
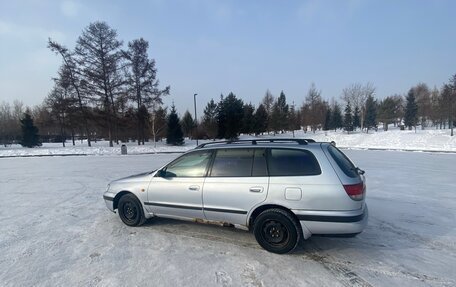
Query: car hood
{"type": "Point", "coordinates": [135, 177]}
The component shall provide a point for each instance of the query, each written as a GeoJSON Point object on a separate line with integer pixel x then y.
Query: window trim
{"type": "Point", "coordinates": [269, 155]}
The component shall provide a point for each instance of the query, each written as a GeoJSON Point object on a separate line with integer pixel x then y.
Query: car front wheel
{"type": "Point", "coordinates": [130, 210]}
{"type": "Point", "coordinates": [277, 231]}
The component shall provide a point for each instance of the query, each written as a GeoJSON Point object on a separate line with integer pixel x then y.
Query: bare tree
{"type": "Point", "coordinates": [314, 108]}
{"type": "Point", "coordinates": [356, 94]}
{"type": "Point", "coordinates": [99, 55]}
{"type": "Point", "coordinates": [73, 74]}
{"type": "Point", "coordinates": [61, 102]}
{"type": "Point", "coordinates": [423, 100]}
{"type": "Point", "coordinates": [452, 104]}
{"type": "Point", "coordinates": [9, 126]}
{"type": "Point", "coordinates": [436, 113]}
{"type": "Point", "coordinates": [141, 80]}
{"type": "Point", "coordinates": [448, 99]}
{"type": "Point", "coordinates": [268, 103]}
{"type": "Point", "coordinates": [159, 123]}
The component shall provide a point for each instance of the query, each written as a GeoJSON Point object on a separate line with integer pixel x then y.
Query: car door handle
{"type": "Point", "coordinates": [194, 187]}
{"type": "Point", "coordinates": [256, 189]}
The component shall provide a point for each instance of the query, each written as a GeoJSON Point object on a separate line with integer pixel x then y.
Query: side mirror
{"type": "Point", "coordinates": [161, 173]}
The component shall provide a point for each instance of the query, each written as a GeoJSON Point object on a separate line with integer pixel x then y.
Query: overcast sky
{"type": "Point", "coordinates": [213, 47]}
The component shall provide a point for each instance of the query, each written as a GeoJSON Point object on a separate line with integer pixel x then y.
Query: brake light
{"type": "Point", "coordinates": [355, 191]}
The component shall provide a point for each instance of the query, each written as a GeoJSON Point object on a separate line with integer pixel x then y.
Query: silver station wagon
{"type": "Point", "coordinates": [281, 189]}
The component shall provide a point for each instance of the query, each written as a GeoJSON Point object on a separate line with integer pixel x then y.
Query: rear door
{"type": "Point", "coordinates": [236, 183]}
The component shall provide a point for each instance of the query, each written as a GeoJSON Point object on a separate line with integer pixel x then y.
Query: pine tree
{"type": "Point", "coordinates": [247, 119]}
{"type": "Point", "coordinates": [210, 119]}
{"type": "Point", "coordinates": [293, 119]}
{"type": "Point", "coordinates": [274, 119]}
{"type": "Point", "coordinates": [386, 112]}
{"type": "Point", "coordinates": [268, 102]}
{"type": "Point", "coordinates": [348, 119]}
{"type": "Point", "coordinates": [328, 120]}
{"type": "Point", "coordinates": [233, 116]}
{"type": "Point", "coordinates": [174, 134]}
{"type": "Point", "coordinates": [261, 120]}
{"type": "Point", "coordinates": [221, 118]}
{"type": "Point", "coordinates": [411, 110]}
{"type": "Point", "coordinates": [356, 118]}
{"type": "Point", "coordinates": [283, 109]}
{"type": "Point", "coordinates": [371, 113]}
{"type": "Point", "coordinates": [30, 137]}
{"type": "Point", "coordinates": [336, 118]}
{"type": "Point", "coordinates": [187, 124]}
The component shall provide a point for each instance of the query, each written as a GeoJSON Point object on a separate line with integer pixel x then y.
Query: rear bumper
{"type": "Point", "coordinates": [109, 200]}
{"type": "Point", "coordinates": [332, 222]}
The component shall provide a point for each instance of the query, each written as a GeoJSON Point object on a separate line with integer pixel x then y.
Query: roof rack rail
{"type": "Point", "coordinates": [255, 141]}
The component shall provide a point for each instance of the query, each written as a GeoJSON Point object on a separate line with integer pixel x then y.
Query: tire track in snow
{"type": "Point", "coordinates": [343, 270]}
{"type": "Point", "coordinates": [411, 237]}
{"type": "Point", "coordinates": [206, 236]}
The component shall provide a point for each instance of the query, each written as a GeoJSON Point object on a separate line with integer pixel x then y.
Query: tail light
{"type": "Point", "coordinates": [355, 191]}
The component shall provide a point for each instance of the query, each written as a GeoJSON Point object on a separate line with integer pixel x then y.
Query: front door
{"type": "Point", "coordinates": [176, 190]}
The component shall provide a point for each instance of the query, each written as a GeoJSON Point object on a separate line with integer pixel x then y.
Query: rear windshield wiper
{"type": "Point", "coordinates": [358, 170]}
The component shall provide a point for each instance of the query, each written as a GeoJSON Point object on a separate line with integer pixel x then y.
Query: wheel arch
{"type": "Point", "coordinates": [119, 195]}
{"type": "Point", "coordinates": [259, 209]}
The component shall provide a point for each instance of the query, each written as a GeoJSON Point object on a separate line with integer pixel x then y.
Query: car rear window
{"type": "Point", "coordinates": [292, 162]}
{"type": "Point", "coordinates": [342, 161]}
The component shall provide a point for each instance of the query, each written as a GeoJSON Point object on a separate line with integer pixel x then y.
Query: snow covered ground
{"type": "Point", "coordinates": [56, 231]}
{"type": "Point", "coordinates": [394, 139]}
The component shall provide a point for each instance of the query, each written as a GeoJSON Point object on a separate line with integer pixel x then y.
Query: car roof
{"type": "Point", "coordinates": [263, 142]}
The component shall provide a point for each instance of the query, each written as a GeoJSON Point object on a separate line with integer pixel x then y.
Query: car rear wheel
{"type": "Point", "coordinates": [277, 231]}
{"type": "Point", "coordinates": [130, 210]}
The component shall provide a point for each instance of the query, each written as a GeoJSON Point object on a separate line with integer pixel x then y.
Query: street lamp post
{"type": "Point", "coordinates": [196, 119]}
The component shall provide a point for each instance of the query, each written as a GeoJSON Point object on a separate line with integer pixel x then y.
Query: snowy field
{"type": "Point", "coordinates": [56, 231]}
{"type": "Point", "coordinates": [394, 139]}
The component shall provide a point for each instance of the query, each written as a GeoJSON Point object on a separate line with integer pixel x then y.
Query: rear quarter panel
{"type": "Point", "coordinates": [318, 192]}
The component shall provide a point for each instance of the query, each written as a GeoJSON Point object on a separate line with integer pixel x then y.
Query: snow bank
{"type": "Point", "coordinates": [394, 139]}
{"type": "Point", "coordinates": [422, 140]}
{"type": "Point", "coordinates": [98, 148]}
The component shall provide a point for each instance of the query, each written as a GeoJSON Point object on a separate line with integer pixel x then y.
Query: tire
{"type": "Point", "coordinates": [130, 210]}
{"type": "Point", "coordinates": [277, 231]}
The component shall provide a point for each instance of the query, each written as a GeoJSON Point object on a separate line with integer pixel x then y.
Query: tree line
{"type": "Point", "coordinates": [104, 90]}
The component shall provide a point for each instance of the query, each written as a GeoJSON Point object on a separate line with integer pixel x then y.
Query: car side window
{"type": "Point", "coordinates": [232, 163]}
{"type": "Point", "coordinates": [343, 162]}
{"type": "Point", "coordinates": [190, 165]}
{"type": "Point", "coordinates": [239, 163]}
{"type": "Point", "coordinates": [292, 162]}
